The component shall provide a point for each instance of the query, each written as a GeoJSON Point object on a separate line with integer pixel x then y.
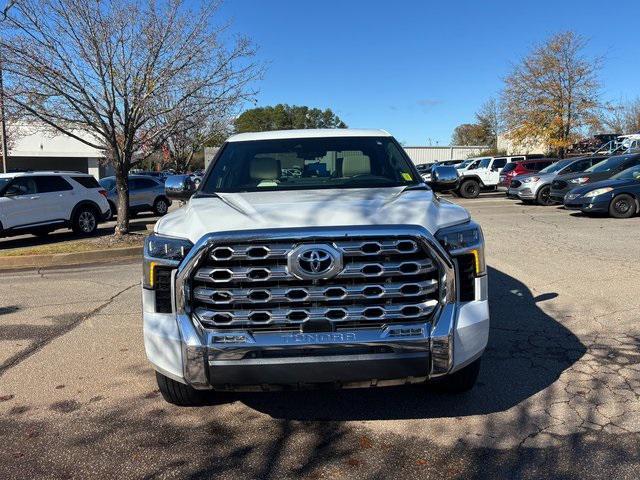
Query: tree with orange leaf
{"type": "Point", "coordinates": [553, 94]}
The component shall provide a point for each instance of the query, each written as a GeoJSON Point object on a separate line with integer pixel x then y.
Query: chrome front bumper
{"type": "Point", "coordinates": [365, 357]}
{"type": "Point", "coordinates": [204, 358]}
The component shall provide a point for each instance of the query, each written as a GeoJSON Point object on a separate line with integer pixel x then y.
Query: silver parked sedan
{"type": "Point", "coordinates": [146, 194]}
{"type": "Point", "coordinates": [536, 187]}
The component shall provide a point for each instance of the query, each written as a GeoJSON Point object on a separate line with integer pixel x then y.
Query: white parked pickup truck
{"type": "Point", "coordinates": [350, 272]}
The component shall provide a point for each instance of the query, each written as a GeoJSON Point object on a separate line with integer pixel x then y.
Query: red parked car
{"type": "Point", "coordinates": [512, 169]}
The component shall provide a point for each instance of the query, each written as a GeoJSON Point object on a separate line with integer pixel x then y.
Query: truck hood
{"type": "Point", "coordinates": [310, 208]}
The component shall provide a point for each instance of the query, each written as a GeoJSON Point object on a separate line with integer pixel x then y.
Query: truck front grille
{"type": "Point", "coordinates": [248, 286]}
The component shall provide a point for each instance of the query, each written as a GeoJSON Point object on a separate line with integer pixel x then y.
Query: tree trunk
{"type": "Point", "coordinates": [122, 185]}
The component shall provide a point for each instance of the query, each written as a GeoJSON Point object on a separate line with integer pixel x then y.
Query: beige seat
{"type": "Point", "coordinates": [356, 166]}
{"type": "Point", "coordinates": [265, 171]}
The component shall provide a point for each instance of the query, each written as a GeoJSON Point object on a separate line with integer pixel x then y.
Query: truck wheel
{"type": "Point", "coordinates": [622, 206]}
{"type": "Point", "coordinates": [459, 382]}
{"type": "Point", "coordinates": [178, 393]}
{"type": "Point", "coordinates": [160, 207]}
{"type": "Point", "coordinates": [469, 189]}
{"type": "Point", "coordinates": [85, 221]}
{"type": "Point", "coordinates": [544, 197]}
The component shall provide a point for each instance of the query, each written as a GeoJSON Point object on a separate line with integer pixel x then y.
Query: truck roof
{"type": "Point", "coordinates": [308, 133]}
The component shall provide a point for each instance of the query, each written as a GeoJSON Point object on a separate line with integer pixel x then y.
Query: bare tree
{"type": "Point", "coordinates": [123, 76]}
{"type": "Point", "coordinates": [489, 117]}
{"type": "Point", "coordinates": [623, 117]}
{"type": "Point", "coordinates": [182, 145]}
{"type": "Point", "coordinates": [553, 93]}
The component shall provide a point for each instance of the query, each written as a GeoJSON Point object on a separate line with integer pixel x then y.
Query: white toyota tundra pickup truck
{"type": "Point", "coordinates": [312, 257]}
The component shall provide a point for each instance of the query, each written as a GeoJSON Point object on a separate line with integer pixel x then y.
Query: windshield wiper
{"type": "Point", "coordinates": [205, 195]}
{"type": "Point", "coordinates": [418, 186]}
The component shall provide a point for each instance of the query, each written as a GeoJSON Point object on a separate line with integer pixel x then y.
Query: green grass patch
{"type": "Point", "coordinates": [75, 246]}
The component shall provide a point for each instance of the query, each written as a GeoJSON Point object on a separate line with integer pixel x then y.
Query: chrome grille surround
{"type": "Point", "coordinates": [201, 347]}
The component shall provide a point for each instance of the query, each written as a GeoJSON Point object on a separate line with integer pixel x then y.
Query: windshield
{"type": "Point", "coordinates": [107, 183]}
{"type": "Point", "coordinates": [464, 164]}
{"type": "Point", "coordinates": [632, 173]}
{"type": "Point", "coordinates": [554, 167]}
{"type": "Point", "coordinates": [310, 163]}
{"type": "Point", "coordinates": [608, 165]}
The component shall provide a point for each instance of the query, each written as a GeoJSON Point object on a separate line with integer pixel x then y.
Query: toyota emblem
{"type": "Point", "coordinates": [315, 262]}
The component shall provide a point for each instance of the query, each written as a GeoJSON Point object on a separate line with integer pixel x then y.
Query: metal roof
{"type": "Point", "coordinates": [308, 133]}
{"type": "Point", "coordinates": [41, 172]}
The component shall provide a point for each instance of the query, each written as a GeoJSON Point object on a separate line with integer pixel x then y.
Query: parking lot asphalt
{"type": "Point", "coordinates": [558, 394]}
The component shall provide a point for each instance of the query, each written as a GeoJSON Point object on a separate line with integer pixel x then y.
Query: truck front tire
{"type": "Point", "coordinates": [458, 382]}
{"type": "Point", "coordinates": [178, 393]}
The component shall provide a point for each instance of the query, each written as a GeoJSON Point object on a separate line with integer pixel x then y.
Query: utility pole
{"type": "Point", "coordinates": [3, 125]}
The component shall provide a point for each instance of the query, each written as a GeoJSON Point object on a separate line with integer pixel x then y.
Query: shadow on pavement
{"type": "Point", "coordinates": [527, 352]}
{"type": "Point", "coordinates": [9, 309]}
{"type": "Point", "coordinates": [280, 435]}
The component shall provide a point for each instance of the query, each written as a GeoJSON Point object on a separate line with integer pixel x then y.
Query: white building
{"type": "Point", "coordinates": [421, 155]}
{"type": "Point", "coordinates": [33, 148]}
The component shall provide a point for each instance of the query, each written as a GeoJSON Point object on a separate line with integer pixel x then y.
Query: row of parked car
{"type": "Point", "coordinates": [596, 183]}
{"type": "Point", "coordinates": [39, 202]}
{"type": "Point", "coordinates": [44, 201]}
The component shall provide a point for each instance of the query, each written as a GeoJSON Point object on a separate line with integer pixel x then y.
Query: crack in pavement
{"type": "Point", "coordinates": [600, 392]}
{"type": "Point", "coordinates": [41, 343]}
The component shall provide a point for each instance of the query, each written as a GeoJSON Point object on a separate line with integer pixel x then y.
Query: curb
{"type": "Point", "coordinates": [64, 259]}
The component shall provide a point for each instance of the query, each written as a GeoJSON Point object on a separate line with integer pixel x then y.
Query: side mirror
{"type": "Point", "coordinates": [179, 187]}
{"type": "Point", "coordinates": [444, 178]}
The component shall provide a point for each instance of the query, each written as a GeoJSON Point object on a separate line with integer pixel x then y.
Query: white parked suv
{"type": "Point", "coordinates": [350, 272]}
{"type": "Point", "coordinates": [40, 202]}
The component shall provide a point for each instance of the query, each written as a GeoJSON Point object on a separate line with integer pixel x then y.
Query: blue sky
{"type": "Point", "coordinates": [420, 68]}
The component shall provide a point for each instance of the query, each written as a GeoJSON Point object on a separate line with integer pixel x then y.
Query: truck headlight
{"type": "Point", "coordinates": [162, 251]}
{"type": "Point", "coordinates": [464, 239]}
{"type": "Point", "coordinates": [597, 191]}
